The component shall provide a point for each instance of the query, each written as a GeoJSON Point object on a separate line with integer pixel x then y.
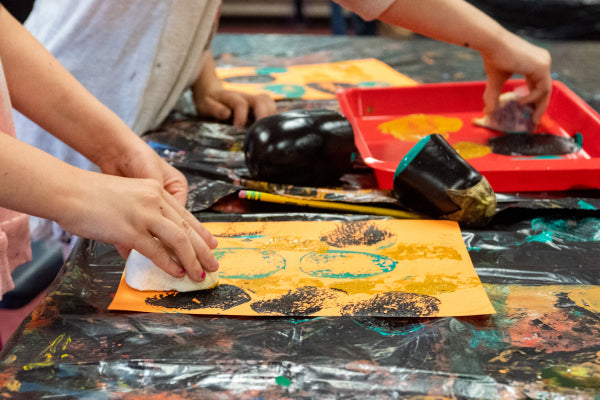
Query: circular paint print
{"type": "Point", "coordinates": [329, 87]}
{"type": "Point", "coordinates": [248, 263]}
{"type": "Point", "coordinates": [394, 304]}
{"type": "Point", "coordinates": [537, 144]}
{"type": "Point", "coordinates": [250, 79]}
{"type": "Point", "coordinates": [335, 264]}
{"type": "Point", "coordinates": [286, 90]}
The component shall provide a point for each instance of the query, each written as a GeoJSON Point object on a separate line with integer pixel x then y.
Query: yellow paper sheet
{"type": "Point", "coordinates": [312, 81]}
{"type": "Point", "coordinates": [392, 268]}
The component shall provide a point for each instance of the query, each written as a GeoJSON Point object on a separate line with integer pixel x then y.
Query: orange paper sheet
{"type": "Point", "coordinates": [391, 268]}
{"type": "Point", "coordinates": [312, 81]}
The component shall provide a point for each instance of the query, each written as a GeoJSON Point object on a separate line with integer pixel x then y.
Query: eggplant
{"type": "Point", "coordinates": [300, 147]}
{"type": "Point", "coordinates": [433, 179]}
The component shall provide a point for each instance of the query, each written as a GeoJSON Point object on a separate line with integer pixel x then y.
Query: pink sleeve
{"type": "Point", "coordinates": [367, 9]}
{"type": "Point", "coordinates": [15, 245]}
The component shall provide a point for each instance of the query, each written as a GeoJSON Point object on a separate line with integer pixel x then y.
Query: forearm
{"type": "Point", "coordinates": [207, 79]}
{"type": "Point", "coordinates": [452, 21]}
{"type": "Point", "coordinates": [35, 183]}
{"type": "Point", "coordinates": [49, 95]}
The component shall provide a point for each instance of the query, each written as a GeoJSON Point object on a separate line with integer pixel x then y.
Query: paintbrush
{"type": "Point", "coordinates": [360, 209]}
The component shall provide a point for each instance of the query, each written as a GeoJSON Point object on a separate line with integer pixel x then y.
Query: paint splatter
{"type": "Point", "coordinates": [394, 304]}
{"type": "Point", "coordinates": [295, 243]}
{"type": "Point", "coordinates": [392, 326]}
{"type": "Point", "coordinates": [334, 264]}
{"type": "Point", "coordinates": [414, 127]}
{"type": "Point", "coordinates": [469, 150]}
{"type": "Point", "coordinates": [283, 381]}
{"type": "Point", "coordinates": [415, 251]}
{"type": "Point", "coordinates": [574, 376]}
{"type": "Point", "coordinates": [356, 233]}
{"type": "Point", "coordinates": [435, 284]}
{"type": "Point", "coordinates": [222, 297]}
{"type": "Point", "coordinates": [576, 230]}
{"type": "Point", "coordinates": [306, 300]}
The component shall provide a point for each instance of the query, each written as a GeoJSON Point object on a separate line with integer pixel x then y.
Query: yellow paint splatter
{"type": "Point", "coordinates": [293, 243]}
{"type": "Point", "coordinates": [358, 286]}
{"type": "Point", "coordinates": [471, 150]}
{"type": "Point", "coordinates": [434, 284]}
{"type": "Point", "coordinates": [414, 251]}
{"type": "Point", "coordinates": [10, 359]}
{"type": "Point", "coordinates": [414, 127]}
{"type": "Point", "coordinates": [13, 385]}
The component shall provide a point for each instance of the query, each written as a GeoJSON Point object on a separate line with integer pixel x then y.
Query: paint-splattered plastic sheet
{"type": "Point", "coordinates": [540, 274]}
{"type": "Point", "coordinates": [537, 261]}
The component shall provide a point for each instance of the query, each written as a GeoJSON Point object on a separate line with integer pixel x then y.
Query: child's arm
{"type": "Point", "coordinates": [504, 54]}
{"type": "Point", "coordinates": [212, 100]}
{"type": "Point", "coordinates": [130, 213]}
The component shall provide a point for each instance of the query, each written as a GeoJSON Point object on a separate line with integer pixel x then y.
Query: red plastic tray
{"type": "Point", "coordinates": [567, 114]}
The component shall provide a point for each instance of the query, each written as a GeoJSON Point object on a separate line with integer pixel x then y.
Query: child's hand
{"type": "Point", "coordinates": [140, 161]}
{"type": "Point", "coordinates": [212, 100]}
{"type": "Point", "coordinates": [518, 56]}
{"type": "Point", "coordinates": [224, 104]}
{"type": "Point", "coordinates": [139, 214]}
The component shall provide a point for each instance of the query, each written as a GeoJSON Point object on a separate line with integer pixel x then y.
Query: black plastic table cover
{"type": "Point", "coordinates": [538, 261]}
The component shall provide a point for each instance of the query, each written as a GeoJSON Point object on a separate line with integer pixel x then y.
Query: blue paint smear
{"type": "Point", "coordinates": [297, 321]}
{"type": "Point", "coordinates": [410, 328]}
{"type": "Point", "coordinates": [373, 84]}
{"type": "Point", "coordinates": [474, 248]}
{"type": "Point", "coordinates": [544, 237]}
{"type": "Point", "coordinates": [286, 90]}
{"type": "Point", "coordinates": [270, 70]}
{"type": "Point", "coordinates": [574, 230]}
{"type": "Point", "coordinates": [248, 238]}
{"type": "Point", "coordinates": [584, 205]}
{"type": "Point", "coordinates": [491, 339]}
{"type": "Point", "coordinates": [537, 158]}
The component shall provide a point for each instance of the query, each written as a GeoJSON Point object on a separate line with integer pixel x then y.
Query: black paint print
{"type": "Point", "coordinates": [223, 297]}
{"type": "Point", "coordinates": [306, 300]}
{"type": "Point", "coordinates": [539, 144]}
{"type": "Point", "coordinates": [395, 304]}
{"type": "Point", "coordinates": [356, 233]}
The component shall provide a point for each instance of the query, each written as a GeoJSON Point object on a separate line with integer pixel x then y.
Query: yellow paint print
{"type": "Point", "coordinates": [414, 127]}
{"type": "Point", "coordinates": [469, 150]}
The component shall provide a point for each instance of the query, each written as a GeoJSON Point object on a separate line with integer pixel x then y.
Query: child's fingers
{"type": "Point", "coordinates": [186, 228]}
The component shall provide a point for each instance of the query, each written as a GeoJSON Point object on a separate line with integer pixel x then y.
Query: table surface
{"type": "Point", "coordinates": [537, 261]}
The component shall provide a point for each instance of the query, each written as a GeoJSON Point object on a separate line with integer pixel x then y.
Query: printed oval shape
{"type": "Point", "coordinates": [342, 264]}
{"type": "Point", "coordinates": [248, 263]}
